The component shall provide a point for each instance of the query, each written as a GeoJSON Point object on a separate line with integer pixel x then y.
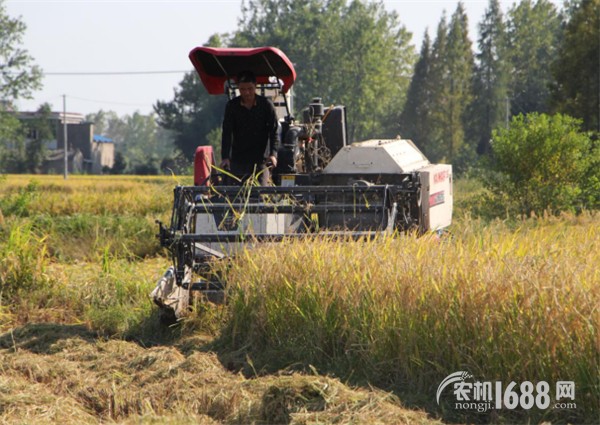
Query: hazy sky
{"type": "Point", "coordinates": [82, 36]}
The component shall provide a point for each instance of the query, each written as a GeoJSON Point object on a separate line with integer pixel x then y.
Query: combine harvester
{"type": "Point", "coordinates": [322, 184]}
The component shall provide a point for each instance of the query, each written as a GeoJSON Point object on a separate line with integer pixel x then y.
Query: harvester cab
{"type": "Point", "coordinates": [322, 185]}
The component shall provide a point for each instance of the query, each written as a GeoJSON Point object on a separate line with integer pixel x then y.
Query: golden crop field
{"type": "Point", "coordinates": [331, 331]}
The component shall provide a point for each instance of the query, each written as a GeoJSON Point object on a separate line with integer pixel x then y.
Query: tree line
{"type": "Point", "coordinates": [448, 97]}
{"type": "Point", "coordinates": [534, 59]}
{"type": "Point", "coordinates": [142, 146]}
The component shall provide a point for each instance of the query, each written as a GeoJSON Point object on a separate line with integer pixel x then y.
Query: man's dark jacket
{"type": "Point", "coordinates": [249, 135]}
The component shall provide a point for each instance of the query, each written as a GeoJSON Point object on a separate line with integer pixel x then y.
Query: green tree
{"type": "Point", "coordinates": [577, 68]}
{"type": "Point", "coordinates": [138, 138]}
{"type": "Point", "coordinates": [490, 82]}
{"type": "Point", "coordinates": [461, 65]}
{"type": "Point", "coordinates": [120, 164]}
{"type": "Point", "coordinates": [18, 75]}
{"type": "Point", "coordinates": [40, 131]}
{"type": "Point", "coordinates": [150, 166]}
{"type": "Point", "coordinates": [11, 138]}
{"type": "Point", "coordinates": [303, 30]}
{"type": "Point", "coordinates": [177, 164]}
{"type": "Point", "coordinates": [141, 139]}
{"type": "Point", "coordinates": [108, 123]}
{"type": "Point", "coordinates": [533, 36]}
{"type": "Point", "coordinates": [544, 163]}
{"type": "Point", "coordinates": [18, 78]}
{"type": "Point", "coordinates": [376, 60]}
{"type": "Point", "coordinates": [25, 145]}
{"type": "Point", "coordinates": [192, 115]}
{"type": "Point", "coordinates": [355, 53]}
{"type": "Point", "coordinates": [100, 120]}
{"type": "Point", "coordinates": [12, 144]}
{"type": "Point", "coordinates": [438, 75]}
{"type": "Point", "coordinates": [415, 120]}
{"type": "Point", "coordinates": [452, 70]}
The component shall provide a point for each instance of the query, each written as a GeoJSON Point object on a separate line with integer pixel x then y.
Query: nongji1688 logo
{"type": "Point", "coordinates": [487, 395]}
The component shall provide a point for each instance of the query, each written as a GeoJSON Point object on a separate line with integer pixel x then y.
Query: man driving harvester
{"type": "Point", "coordinates": [250, 132]}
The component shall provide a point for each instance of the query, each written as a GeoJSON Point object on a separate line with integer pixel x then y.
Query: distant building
{"type": "Point", "coordinates": [87, 152]}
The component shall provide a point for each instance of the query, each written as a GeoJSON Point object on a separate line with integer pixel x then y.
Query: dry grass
{"type": "Point", "coordinates": [54, 374]}
{"type": "Point", "coordinates": [506, 301]}
{"type": "Point", "coordinates": [122, 195]}
{"type": "Point", "coordinates": [91, 276]}
{"type": "Point", "coordinates": [111, 297]}
{"type": "Point", "coordinates": [84, 216]}
{"type": "Point", "coordinates": [505, 304]}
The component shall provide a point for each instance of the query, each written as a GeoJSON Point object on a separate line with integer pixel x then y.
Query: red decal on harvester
{"type": "Point", "coordinates": [441, 176]}
{"type": "Point", "coordinates": [436, 199]}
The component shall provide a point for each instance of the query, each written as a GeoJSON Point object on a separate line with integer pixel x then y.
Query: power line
{"type": "Point", "coordinates": [52, 99]}
{"type": "Point", "coordinates": [112, 102]}
{"type": "Point", "coordinates": [114, 73]}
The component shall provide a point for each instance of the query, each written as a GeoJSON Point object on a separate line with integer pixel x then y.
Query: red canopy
{"type": "Point", "coordinates": [216, 65]}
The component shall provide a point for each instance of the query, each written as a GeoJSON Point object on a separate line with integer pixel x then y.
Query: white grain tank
{"type": "Point", "coordinates": [388, 162]}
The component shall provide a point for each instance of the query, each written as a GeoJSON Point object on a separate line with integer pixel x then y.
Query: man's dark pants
{"type": "Point", "coordinates": [244, 171]}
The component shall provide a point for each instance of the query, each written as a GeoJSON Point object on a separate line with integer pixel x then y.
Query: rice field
{"type": "Point", "coordinates": [403, 313]}
{"type": "Point", "coordinates": [330, 331]}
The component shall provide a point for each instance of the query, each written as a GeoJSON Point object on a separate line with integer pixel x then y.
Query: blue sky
{"type": "Point", "coordinates": [151, 35]}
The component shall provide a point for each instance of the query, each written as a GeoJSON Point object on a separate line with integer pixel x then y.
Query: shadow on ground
{"type": "Point", "coordinates": [40, 338]}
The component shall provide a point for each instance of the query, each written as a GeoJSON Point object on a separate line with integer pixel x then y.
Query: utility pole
{"type": "Point", "coordinates": [65, 136]}
{"type": "Point", "coordinates": [507, 109]}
